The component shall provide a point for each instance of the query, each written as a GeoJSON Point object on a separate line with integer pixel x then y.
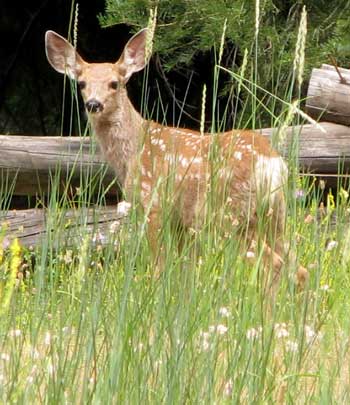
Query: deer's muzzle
{"type": "Point", "coordinates": [93, 106]}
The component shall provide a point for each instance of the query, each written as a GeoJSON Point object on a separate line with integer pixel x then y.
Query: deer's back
{"type": "Point", "coordinates": [235, 168]}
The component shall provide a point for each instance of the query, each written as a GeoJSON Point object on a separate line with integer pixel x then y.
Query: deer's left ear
{"type": "Point", "coordinates": [133, 58]}
{"type": "Point", "coordinates": [62, 55]}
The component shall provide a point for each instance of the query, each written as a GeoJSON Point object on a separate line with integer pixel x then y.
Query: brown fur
{"type": "Point", "coordinates": [248, 171]}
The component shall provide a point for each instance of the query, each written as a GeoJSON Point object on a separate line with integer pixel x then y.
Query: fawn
{"type": "Point", "coordinates": [250, 173]}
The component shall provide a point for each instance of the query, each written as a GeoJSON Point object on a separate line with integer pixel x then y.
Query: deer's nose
{"type": "Point", "coordinates": [93, 106]}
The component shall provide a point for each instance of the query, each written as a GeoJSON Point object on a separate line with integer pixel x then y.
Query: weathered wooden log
{"type": "Point", "coordinates": [30, 164]}
{"type": "Point", "coordinates": [63, 229]}
{"type": "Point", "coordinates": [328, 97]}
{"type": "Point", "coordinates": [322, 152]}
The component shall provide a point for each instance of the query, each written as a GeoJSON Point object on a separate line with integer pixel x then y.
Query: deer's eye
{"type": "Point", "coordinates": [113, 85]}
{"type": "Point", "coordinates": [82, 85]}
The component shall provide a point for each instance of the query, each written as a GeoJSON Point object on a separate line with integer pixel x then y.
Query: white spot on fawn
{"type": "Point", "coordinates": [184, 161]}
{"type": "Point", "coordinates": [196, 160]}
{"type": "Point", "coordinates": [146, 186]}
{"type": "Point", "coordinates": [237, 155]}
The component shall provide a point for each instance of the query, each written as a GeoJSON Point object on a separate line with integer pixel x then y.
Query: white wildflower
{"type": "Point", "coordinates": [15, 333]}
{"type": "Point", "coordinates": [204, 341]}
{"type": "Point", "coordinates": [281, 330]}
{"type": "Point", "coordinates": [224, 312]}
{"type": "Point", "coordinates": [30, 379]}
{"type": "Point", "coordinates": [331, 245]}
{"type": "Point", "coordinates": [250, 254]}
{"type": "Point", "coordinates": [311, 335]}
{"type": "Point", "coordinates": [205, 345]}
{"type": "Point", "coordinates": [291, 346]}
{"type": "Point", "coordinates": [123, 208]}
{"type": "Point", "coordinates": [34, 353]}
{"type": "Point", "coordinates": [113, 227]}
{"type": "Point", "coordinates": [68, 256]}
{"type": "Point", "coordinates": [221, 329]}
{"type": "Point", "coordinates": [47, 339]}
{"type": "Point", "coordinates": [5, 356]}
{"type": "Point", "coordinates": [253, 333]}
{"type": "Point", "coordinates": [50, 368]}
{"type": "Point", "coordinates": [228, 387]}
{"type": "Point", "coordinates": [99, 237]}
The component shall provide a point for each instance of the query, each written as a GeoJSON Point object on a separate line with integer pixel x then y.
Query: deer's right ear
{"type": "Point", "coordinates": [62, 55]}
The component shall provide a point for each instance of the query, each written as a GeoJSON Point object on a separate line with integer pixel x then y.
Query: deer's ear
{"type": "Point", "coordinates": [62, 55]}
{"type": "Point", "coordinates": [133, 57]}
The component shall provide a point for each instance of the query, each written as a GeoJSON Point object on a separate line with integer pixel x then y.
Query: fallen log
{"type": "Point", "coordinates": [323, 149]}
{"type": "Point", "coordinates": [63, 229]}
{"type": "Point", "coordinates": [33, 165]}
{"type": "Point", "coordinates": [29, 164]}
{"type": "Point", "coordinates": [328, 97]}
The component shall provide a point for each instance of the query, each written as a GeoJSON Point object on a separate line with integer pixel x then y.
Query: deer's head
{"type": "Point", "coordinates": [101, 84]}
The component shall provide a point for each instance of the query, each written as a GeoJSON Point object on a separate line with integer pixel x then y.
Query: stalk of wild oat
{"type": "Point", "coordinates": [257, 17]}
{"type": "Point", "coordinates": [299, 58]}
{"type": "Point", "coordinates": [75, 26]}
{"type": "Point", "coordinates": [222, 42]}
{"type": "Point", "coordinates": [152, 22]}
{"type": "Point", "coordinates": [204, 94]}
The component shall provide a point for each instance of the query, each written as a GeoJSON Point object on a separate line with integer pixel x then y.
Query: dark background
{"type": "Point", "coordinates": [31, 92]}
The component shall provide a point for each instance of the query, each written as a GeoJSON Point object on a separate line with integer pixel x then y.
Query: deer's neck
{"type": "Point", "coordinates": [119, 134]}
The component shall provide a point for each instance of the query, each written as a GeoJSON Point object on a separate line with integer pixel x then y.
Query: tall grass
{"type": "Point", "coordinates": [89, 323]}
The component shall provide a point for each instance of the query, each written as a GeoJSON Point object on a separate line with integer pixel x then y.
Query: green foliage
{"type": "Point", "coordinates": [188, 27]}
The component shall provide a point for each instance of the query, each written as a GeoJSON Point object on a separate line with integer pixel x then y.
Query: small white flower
{"type": "Point", "coordinates": [325, 287]}
{"type": "Point", "coordinates": [67, 330]}
{"type": "Point", "coordinates": [114, 226]}
{"type": "Point", "coordinates": [204, 335]}
{"type": "Point", "coordinates": [47, 339]}
{"type": "Point", "coordinates": [291, 346]}
{"type": "Point", "coordinates": [250, 254]}
{"type": "Point", "coordinates": [123, 208]}
{"type": "Point", "coordinates": [281, 330]}
{"type": "Point", "coordinates": [15, 333]}
{"type": "Point", "coordinates": [50, 368]}
{"type": "Point", "coordinates": [221, 329]}
{"type": "Point", "coordinates": [224, 312]}
{"type": "Point", "coordinates": [34, 353]}
{"type": "Point", "coordinates": [5, 356]}
{"type": "Point", "coordinates": [99, 237]}
{"type": "Point", "coordinates": [332, 244]}
{"type": "Point", "coordinates": [205, 346]}
{"type": "Point", "coordinates": [228, 387]}
{"type": "Point", "coordinates": [204, 341]}
{"type": "Point", "coordinates": [68, 257]}
{"type": "Point", "coordinates": [253, 333]}
{"type": "Point", "coordinates": [30, 379]}
{"type": "Point", "coordinates": [212, 328]}
{"type": "Point", "coordinates": [311, 335]}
